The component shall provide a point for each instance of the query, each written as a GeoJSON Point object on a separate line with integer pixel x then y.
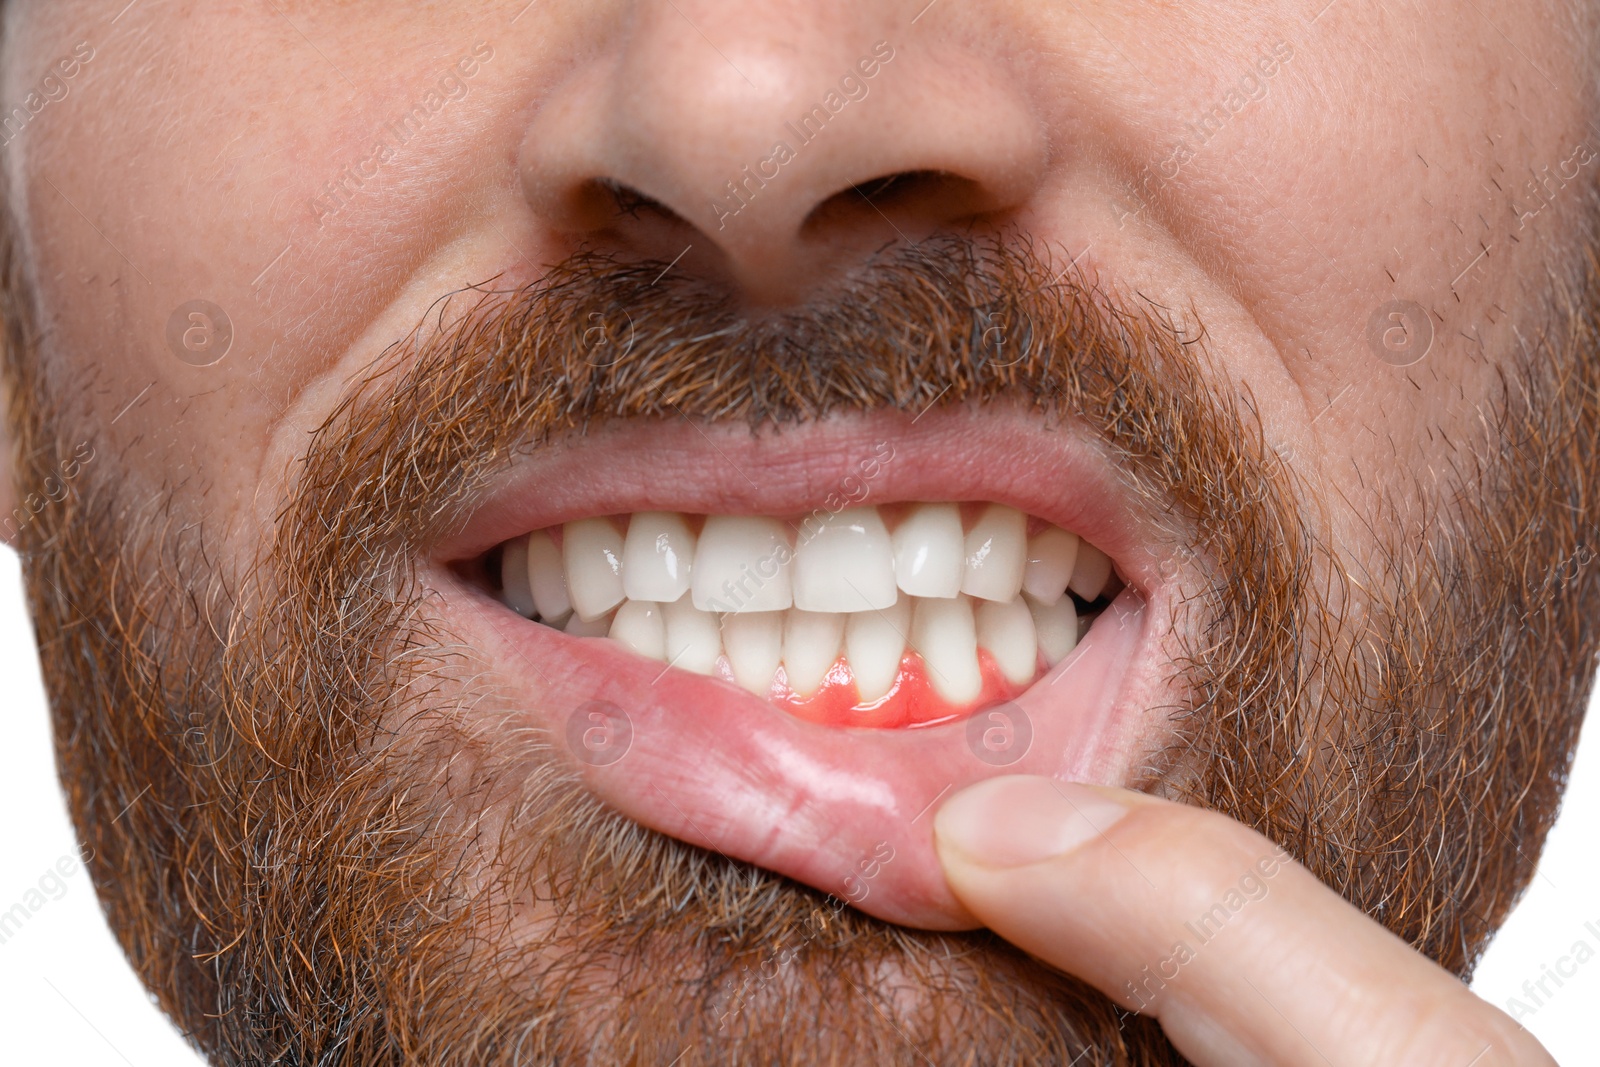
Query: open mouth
{"type": "Point", "coordinates": [727, 642]}
{"type": "Point", "coordinates": [897, 615]}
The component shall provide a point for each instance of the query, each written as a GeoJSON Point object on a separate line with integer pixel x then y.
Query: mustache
{"type": "Point", "coordinates": [953, 320]}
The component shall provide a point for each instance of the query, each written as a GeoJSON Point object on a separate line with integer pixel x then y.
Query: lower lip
{"type": "Point", "coordinates": [848, 811]}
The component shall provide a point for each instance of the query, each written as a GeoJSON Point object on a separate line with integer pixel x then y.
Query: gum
{"type": "Point", "coordinates": [911, 702]}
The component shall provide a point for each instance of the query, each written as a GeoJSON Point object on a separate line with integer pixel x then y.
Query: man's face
{"type": "Point", "coordinates": [329, 306]}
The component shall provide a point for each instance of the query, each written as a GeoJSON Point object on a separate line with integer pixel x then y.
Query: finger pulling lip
{"type": "Point", "coordinates": [845, 810]}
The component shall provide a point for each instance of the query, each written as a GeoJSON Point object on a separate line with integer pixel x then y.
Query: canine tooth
{"type": "Point", "coordinates": [1005, 628]}
{"type": "Point", "coordinates": [1090, 572]}
{"type": "Point", "coordinates": [928, 553]}
{"type": "Point", "coordinates": [693, 639]}
{"type": "Point", "coordinates": [754, 644]}
{"type": "Point", "coordinates": [942, 632]}
{"type": "Point", "coordinates": [1057, 627]}
{"type": "Point", "coordinates": [810, 647]}
{"type": "Point", "coordinates": [514, 587]}
{"type": "Point", "coordinates": [742, 563]}
{"type": "Point", "coordinates": [874, 643]}
{"type": "Point", "coordinates": [845, 563]}
{"type": "Point", "coordinates": [638, 625]}
{"type": "Point", "coordinates": [578, 626]}
{"type": "Point", "coordinates": [656, 556]}
{"type": "Point", "coordinates": [547, 577]}
{"type": "Point", "coordinates": [1051, 554]}
{"type": "Point", "coordinates": [593, 551]}
{"type": "Point", "coordinates": [996, 552]}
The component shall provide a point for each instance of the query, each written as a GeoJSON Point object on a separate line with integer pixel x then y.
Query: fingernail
{"type": "Point", "coordinates": [1021, 819]}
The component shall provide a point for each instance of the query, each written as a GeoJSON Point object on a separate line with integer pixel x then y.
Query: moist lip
{"type": "Point", "coordinates": [719, 768]}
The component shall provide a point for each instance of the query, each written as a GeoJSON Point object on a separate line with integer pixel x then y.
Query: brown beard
{"type": "Point", "coordinates": [314, 851]}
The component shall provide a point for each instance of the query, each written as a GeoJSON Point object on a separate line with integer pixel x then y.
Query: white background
{"type": "Point", "coordinates": [68, 997]}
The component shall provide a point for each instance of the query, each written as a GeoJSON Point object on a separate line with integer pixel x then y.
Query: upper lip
{"type": "Point", "coordinates": [719, 768]}
{"type": "Point", "coordinates": [1061, 475]}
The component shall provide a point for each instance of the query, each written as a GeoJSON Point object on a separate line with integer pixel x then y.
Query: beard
{"type": "Point", "coordinates": [318, 842]}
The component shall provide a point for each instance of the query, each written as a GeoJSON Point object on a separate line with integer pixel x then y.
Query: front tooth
{"type": "Point", "coordinates": [1057, 627]}
{"type": "Point", "coordinates": [742, 563]}
{"type": "Point", "coordinates": [754, 643]}
{"type": "Point", "coordinates": [942, 632]}
{"type": "Point", "coordinates": [845, 564]}
{"type": "Point", "coordinates": [810, 647]}
{"type": "Point", "coordinates": [593, 550]}
{"type": "Point", "coordinates": [514, 588]}
{"type": "Point", "coordinates": [928, 553]}
{"type": "Point", "coordinates": [1090, 572]}
{"type": "Point", "coordinates": [1051, 554]}
{"type": "Point", "coordinates": [996, 553]}
{"type": "Point", "coordinates": [656, 556]}
{"type": "Point", "coordinates": [578, 626]}
{"type": "Point", "coordinates": [547, 577]}
{"type": "Point", "coordinates": [1005, 628]}
{"type": "Point", "coordinates": [638, 625]}
{"type": "Point", "coordinates": [874, 644]}
{"type": "Point", "coordinates": [693, 640]}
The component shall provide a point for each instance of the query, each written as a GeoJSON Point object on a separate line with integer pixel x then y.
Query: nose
{"type": "Point", "coordinates": [778, 143]}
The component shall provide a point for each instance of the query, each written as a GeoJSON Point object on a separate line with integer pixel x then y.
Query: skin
{"type": "Point", "coordinates": [1386, 151]}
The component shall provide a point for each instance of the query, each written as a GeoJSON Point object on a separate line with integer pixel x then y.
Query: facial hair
{"type": "Point", "coordinates": [317, 845]}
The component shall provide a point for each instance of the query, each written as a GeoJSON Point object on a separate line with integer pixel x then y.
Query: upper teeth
{"type": "Point", "coordinates": [866, 582]}
{"type": "Point", "coordinates": [656, 556]}
{"type": "Point", "coordinates": [742, 563]}
{"type": "Point", "coordinates": [846, 565]}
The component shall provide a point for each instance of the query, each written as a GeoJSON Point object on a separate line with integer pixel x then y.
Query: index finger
{"type": "Point", "coordinates": [1241, 953]}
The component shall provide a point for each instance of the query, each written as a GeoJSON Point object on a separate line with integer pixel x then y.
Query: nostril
{"type": "Point", "coordinates": [934, 196]}
{"type": "Point", "coordinates": [626, 200]}
{"type": "Point", "coordinates": [599, 204]}
{"type": "Point", "coordinates": [616, 217]}
{"type": "Point", "coordinates": [904, 184]}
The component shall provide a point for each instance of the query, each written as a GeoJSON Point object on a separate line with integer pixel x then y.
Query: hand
{"type": "Point", "coordinates": [1187, 916]}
